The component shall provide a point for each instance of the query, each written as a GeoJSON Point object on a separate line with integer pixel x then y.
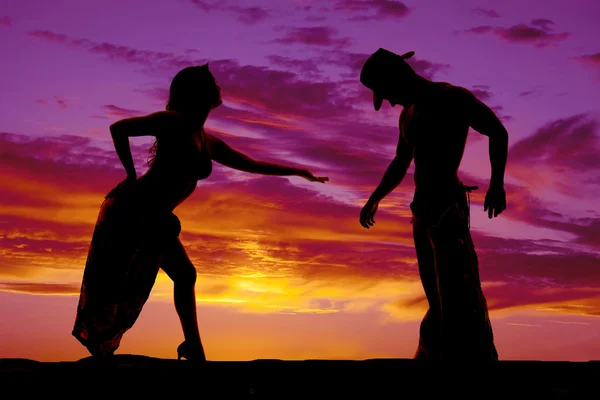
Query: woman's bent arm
{"type": "Point", "coordinates": [147, 125]}
{"type": "Point", "coordinates": [124, 152]}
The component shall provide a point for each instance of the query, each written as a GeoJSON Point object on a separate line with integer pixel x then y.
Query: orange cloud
{"type": "Point", "coordinates": [40, 288]}
{"type": "Point", "coordinates": [265, 244]}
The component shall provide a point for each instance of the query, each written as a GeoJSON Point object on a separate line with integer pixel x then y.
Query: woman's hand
{"type": "Point", "coordinates": [306, 174]}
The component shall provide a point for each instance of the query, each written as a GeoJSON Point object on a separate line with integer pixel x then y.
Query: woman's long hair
{"type": "Point", "coordinates": [192, 90]}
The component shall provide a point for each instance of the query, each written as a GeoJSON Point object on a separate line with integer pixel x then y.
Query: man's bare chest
{"type": "Point", "coordinates": [422, 125]}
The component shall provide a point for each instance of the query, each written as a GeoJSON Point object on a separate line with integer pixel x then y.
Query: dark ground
{"type": "Point", "coordinates": [139, 376]}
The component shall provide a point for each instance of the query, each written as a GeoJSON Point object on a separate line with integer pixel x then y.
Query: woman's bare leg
{"type": "Point", "coordinates": [178, 266]}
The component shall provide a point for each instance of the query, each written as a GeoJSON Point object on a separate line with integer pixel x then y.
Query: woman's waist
{"type": "Point", "coordinates": [129, 219]}
{"type": "Point", "coordinates": [183, 166]}
{"type": "Point", "coordinates": [165, 198]}
{"type": "Point", "coordinates": [153, 194]}
{"type": "Point", "coordinates": [165, 181]}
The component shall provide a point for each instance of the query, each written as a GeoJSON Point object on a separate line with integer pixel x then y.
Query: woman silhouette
{"type": "Point", "coordinates": [137, 233]}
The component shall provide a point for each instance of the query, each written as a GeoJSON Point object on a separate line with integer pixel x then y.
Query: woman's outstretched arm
{"type": "Point", "coordinates": [222, 153]}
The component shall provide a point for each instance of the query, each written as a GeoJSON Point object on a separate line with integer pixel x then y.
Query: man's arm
{"type": "Point", "coordinates": [393, 176]}
{"type": "Point", "coordinates": [481, 118]}
{"type": "Point", "coordinates": [395, 172]}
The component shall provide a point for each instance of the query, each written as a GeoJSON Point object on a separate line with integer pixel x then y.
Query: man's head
{"type": "Point", "coordinates": [389, 77]}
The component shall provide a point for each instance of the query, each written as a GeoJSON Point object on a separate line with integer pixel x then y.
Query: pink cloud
{"type": "Point", "coordinates": [536, 91]}
{"type": "Point", "coordinates": [5, 21]}
{"type": "Point", "coordinates": [486, 12]}
{"type": "Point", "coordinates": [571, 142]}
{"type": "Point", "coordinates": [49, 161]}
{"type": "Point", "coordinates": [538, 32]}
{"type": "Point", "coordinates": [482, 92]}
{"type": "Point", "coordinates": [512, 295]}
{"type": "Point", "coordinates": [204, 5]}
{"type": "Point", "coordinates": [382, 8]}
{"type": "Point", "coordinates": [543, 270]}
{"type": "Point", "coordinates": [498, 110]}
{"type": "Point", "coordinates": [61, 102]}
{"type": "Point", "coordinates": [40, 288]}
{"type": "Point", "coordinates": [251, 15]}
{"type": "Point", "coordinates": [313, 36]}
{"type": "Point", "coordinates": [305, 67]}
{"type": "Point", "coordinates": [156, 61]}
{"type": "Point", "coordinates": [307, 99]}
{"type": "Point", "coordinates": [426, 68]}
{"type": "Point", "coordinates": [342, 159]}
{"type": "Point", "coordinates": [67, 163]}
{"type": "Point", "coordinates": [248, 15]}
{"type": "Point", "coordinates": [567, 146]}
{"type": "Point", "coordinates": [532, 273]}
{"type": "Point", "coordinates": [590, 60]}
{"type": "Point", "coordinates": [304, 97]}
{"type": "Point", "coordinates": [115, 111]}
{"type": "Point", "coordinates": [355, 61]}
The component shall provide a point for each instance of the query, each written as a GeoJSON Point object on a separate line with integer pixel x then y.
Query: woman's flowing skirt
{"type": "Point", "coordinates": [120, 271]}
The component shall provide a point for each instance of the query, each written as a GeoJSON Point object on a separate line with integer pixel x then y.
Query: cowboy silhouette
{"type": "Point", "coordinates": [434, 124]}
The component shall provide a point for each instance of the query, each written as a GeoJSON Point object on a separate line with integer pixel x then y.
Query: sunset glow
{"type": "Point", "coordinates": [284, 268]}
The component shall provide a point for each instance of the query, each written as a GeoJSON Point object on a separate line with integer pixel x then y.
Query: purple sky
{"type": "Point", "coordinates": [289, 73]}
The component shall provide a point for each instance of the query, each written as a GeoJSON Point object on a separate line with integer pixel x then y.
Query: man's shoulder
{"type": "Point", "coordinates": [452, 97]}
{"type": "Point", "coordinates": [454, 92]}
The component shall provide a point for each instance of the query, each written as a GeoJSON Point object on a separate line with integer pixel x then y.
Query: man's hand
{"type": "Point", "coordinates": [495, 200]}
{"type": "Point", "coordinates": [368, 213]}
